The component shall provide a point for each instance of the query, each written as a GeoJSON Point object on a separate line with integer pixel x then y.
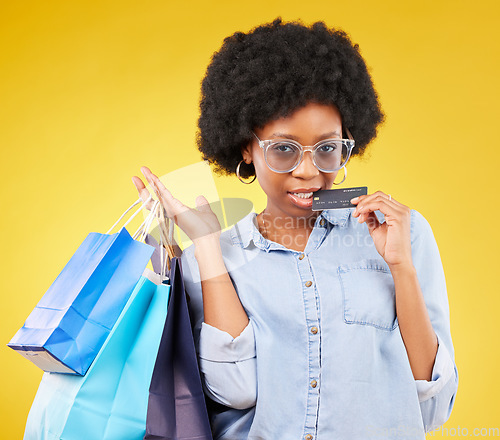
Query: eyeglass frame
{"type": "Point", "coordinates": [265, 144]}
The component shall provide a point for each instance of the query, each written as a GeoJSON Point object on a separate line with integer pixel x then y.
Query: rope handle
{"type": "Point", "coordinates": [166, 226]}
{"type": "Point", "coordinates": [128, 209]}
{"type": "Point", "coordinates": [143, 229]}
{"type": "Point", "coordinates": [166, 236]}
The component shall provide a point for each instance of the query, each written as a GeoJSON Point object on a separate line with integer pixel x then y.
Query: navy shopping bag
{"type": "Point", "coordinates": [69, 325]}
{"type": "Point", "coordinates": [176, 407]}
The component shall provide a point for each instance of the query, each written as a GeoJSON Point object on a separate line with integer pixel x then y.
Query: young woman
{"type": "Point", "coordinates": [309, 324]}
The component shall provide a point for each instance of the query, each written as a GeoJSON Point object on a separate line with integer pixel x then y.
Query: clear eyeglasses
{"type": "Point", "coordinates": [328, 155]}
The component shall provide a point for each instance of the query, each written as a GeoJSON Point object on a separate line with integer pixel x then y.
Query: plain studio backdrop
{"type": "Point", "coordinates": [92, 90]}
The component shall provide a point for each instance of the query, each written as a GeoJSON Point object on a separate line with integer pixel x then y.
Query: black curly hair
{"type": "Point", "coordinates": [273, 70]}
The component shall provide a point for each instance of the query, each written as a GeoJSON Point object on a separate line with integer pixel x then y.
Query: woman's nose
{"type": "Point", "coordinates": [306, 168]}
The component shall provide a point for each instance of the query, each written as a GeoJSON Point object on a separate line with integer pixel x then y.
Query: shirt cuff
{"type": "Point", "coordinates": [219, 346]}
{"type": "Point", "coordinates": [442, 372]}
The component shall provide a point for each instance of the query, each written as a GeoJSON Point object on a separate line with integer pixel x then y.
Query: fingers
{"type": "Point", "coordinates": [368, 204]}
{"type": "Point", "coordinates": [143, 192]}
{"type": "Point", "coordinates": [385, 206]}
{"type": "Point", "coordinates": [379, 199]}
{"type": "Point", "coordinates": [371, 220]}
{"type": "Point", "coordinates": [173, 207]}
{"type": "Point", "coordinates": [379, 195]}
{"type": "Point", "coordinates": [202, 204]}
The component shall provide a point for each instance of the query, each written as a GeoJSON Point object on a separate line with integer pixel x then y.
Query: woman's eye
{"type": "Point", "coordinates": [327, 148]}
{"type": "Point", "coordinates": [284, 148]}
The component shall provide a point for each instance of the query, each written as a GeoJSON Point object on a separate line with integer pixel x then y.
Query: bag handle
{"type": "Point", "coordinates": [166, 235]}
{"type": "Point", "coordinates": [128, 209]}
{"type": "Point", "coordinates": [143, 229]}
{"type": "Point", "coordinates": [166, 227]}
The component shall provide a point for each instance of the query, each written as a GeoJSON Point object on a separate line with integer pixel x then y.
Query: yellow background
{"type": "Point", "coordinates": [92, 90]}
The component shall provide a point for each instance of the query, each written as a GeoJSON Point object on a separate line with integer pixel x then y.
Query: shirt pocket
{"type": "Point", "coordinates": [368, 294]}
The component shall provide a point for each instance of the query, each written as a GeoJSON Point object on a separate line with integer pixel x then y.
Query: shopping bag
{"type": "Point", "coordinates": [110, 401]}
{"type": "Point", "coordinates": [176, 408]}
{"type": "Point", "coordinates": [69, 325]}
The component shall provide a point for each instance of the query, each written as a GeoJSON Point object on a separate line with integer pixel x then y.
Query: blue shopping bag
{"type": "Point", "coordinates": [110, 401]}
{"type": "Point", "coordinates": [68, 326]}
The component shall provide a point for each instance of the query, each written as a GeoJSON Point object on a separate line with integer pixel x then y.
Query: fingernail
{"type": "Point", "coordinates": [355, 199]}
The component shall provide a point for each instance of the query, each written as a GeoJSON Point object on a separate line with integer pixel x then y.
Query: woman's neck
{"type": "Point", "coordinates": [291, 232]}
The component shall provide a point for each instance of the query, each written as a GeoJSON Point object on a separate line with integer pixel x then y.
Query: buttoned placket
{"type": "Point", "coordinates": [324, 225]}
{"type": "Point", "coordinates": [312, 321]}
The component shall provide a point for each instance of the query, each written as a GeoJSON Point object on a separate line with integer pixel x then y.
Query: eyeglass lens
{"type": "Point", "coordinates": [283, 156]}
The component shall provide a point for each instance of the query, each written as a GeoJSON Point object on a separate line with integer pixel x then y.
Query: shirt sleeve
{"type": "Point", "coordinates": [436, 396]}
{"type": "Point", "coordinates": [228, 365]}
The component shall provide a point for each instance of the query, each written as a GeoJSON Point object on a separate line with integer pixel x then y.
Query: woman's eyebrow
{"type": "Point", "coordinates": [291, 136]}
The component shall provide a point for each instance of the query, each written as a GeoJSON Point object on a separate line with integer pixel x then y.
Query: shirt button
{"type": "Point", "coordinates": [308, 437]}
{"type": "Point", "coordinates": [309, 284]}
{"type": "Point", "coordinates": [301, 256]}
{"type": "Point", "coordinates": [322, 222]}
{"type": "Point", "coordinates": [314, 384]}
{"type": "Point", "coordinates": [314, 330]}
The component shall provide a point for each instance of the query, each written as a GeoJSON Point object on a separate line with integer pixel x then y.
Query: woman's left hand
{"type": "Point", "coordinates": [392, 238]}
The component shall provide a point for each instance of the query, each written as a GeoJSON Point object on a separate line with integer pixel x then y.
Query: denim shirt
{"type": "Point", "coordinates": [322, 356]}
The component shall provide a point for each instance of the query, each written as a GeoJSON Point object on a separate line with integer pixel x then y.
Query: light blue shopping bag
{"type": "Point", "coordinates": [110, 401]}
{"type": "Point", "coordinates": [68, 326]}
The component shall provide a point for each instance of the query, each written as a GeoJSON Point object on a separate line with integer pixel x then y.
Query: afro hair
{"type": "Point", "coordinates": [272, 71]}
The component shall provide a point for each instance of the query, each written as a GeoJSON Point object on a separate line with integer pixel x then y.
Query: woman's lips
{"type": "Point", "coordinates": [299, 201]}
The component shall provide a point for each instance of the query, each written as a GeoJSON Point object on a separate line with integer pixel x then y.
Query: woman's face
{"type": "Point", "coordinates": [307, 125]}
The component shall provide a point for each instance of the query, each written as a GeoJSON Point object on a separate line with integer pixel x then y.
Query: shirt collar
{"type": "Point", "coordinates": [245, 230]}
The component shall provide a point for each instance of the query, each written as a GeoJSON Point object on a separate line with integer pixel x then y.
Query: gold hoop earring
{"type": "Point", "coordinates": [345, 175]}
{"type": "Point", "coordinates": [239, 177]}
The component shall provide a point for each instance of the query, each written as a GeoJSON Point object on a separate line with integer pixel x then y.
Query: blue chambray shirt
{"type": "Point", "coordinates": [322, 357]}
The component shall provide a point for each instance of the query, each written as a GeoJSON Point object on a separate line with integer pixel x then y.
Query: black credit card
{"type": "Point", "coordinates": [336, 198]}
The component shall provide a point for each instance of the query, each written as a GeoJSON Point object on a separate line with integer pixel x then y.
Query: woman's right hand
{"type": "Point", "coordinates": [198, 224]}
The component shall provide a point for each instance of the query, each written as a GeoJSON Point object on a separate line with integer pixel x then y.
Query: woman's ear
{"type": "Point", "coordinates": [246, 152]}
